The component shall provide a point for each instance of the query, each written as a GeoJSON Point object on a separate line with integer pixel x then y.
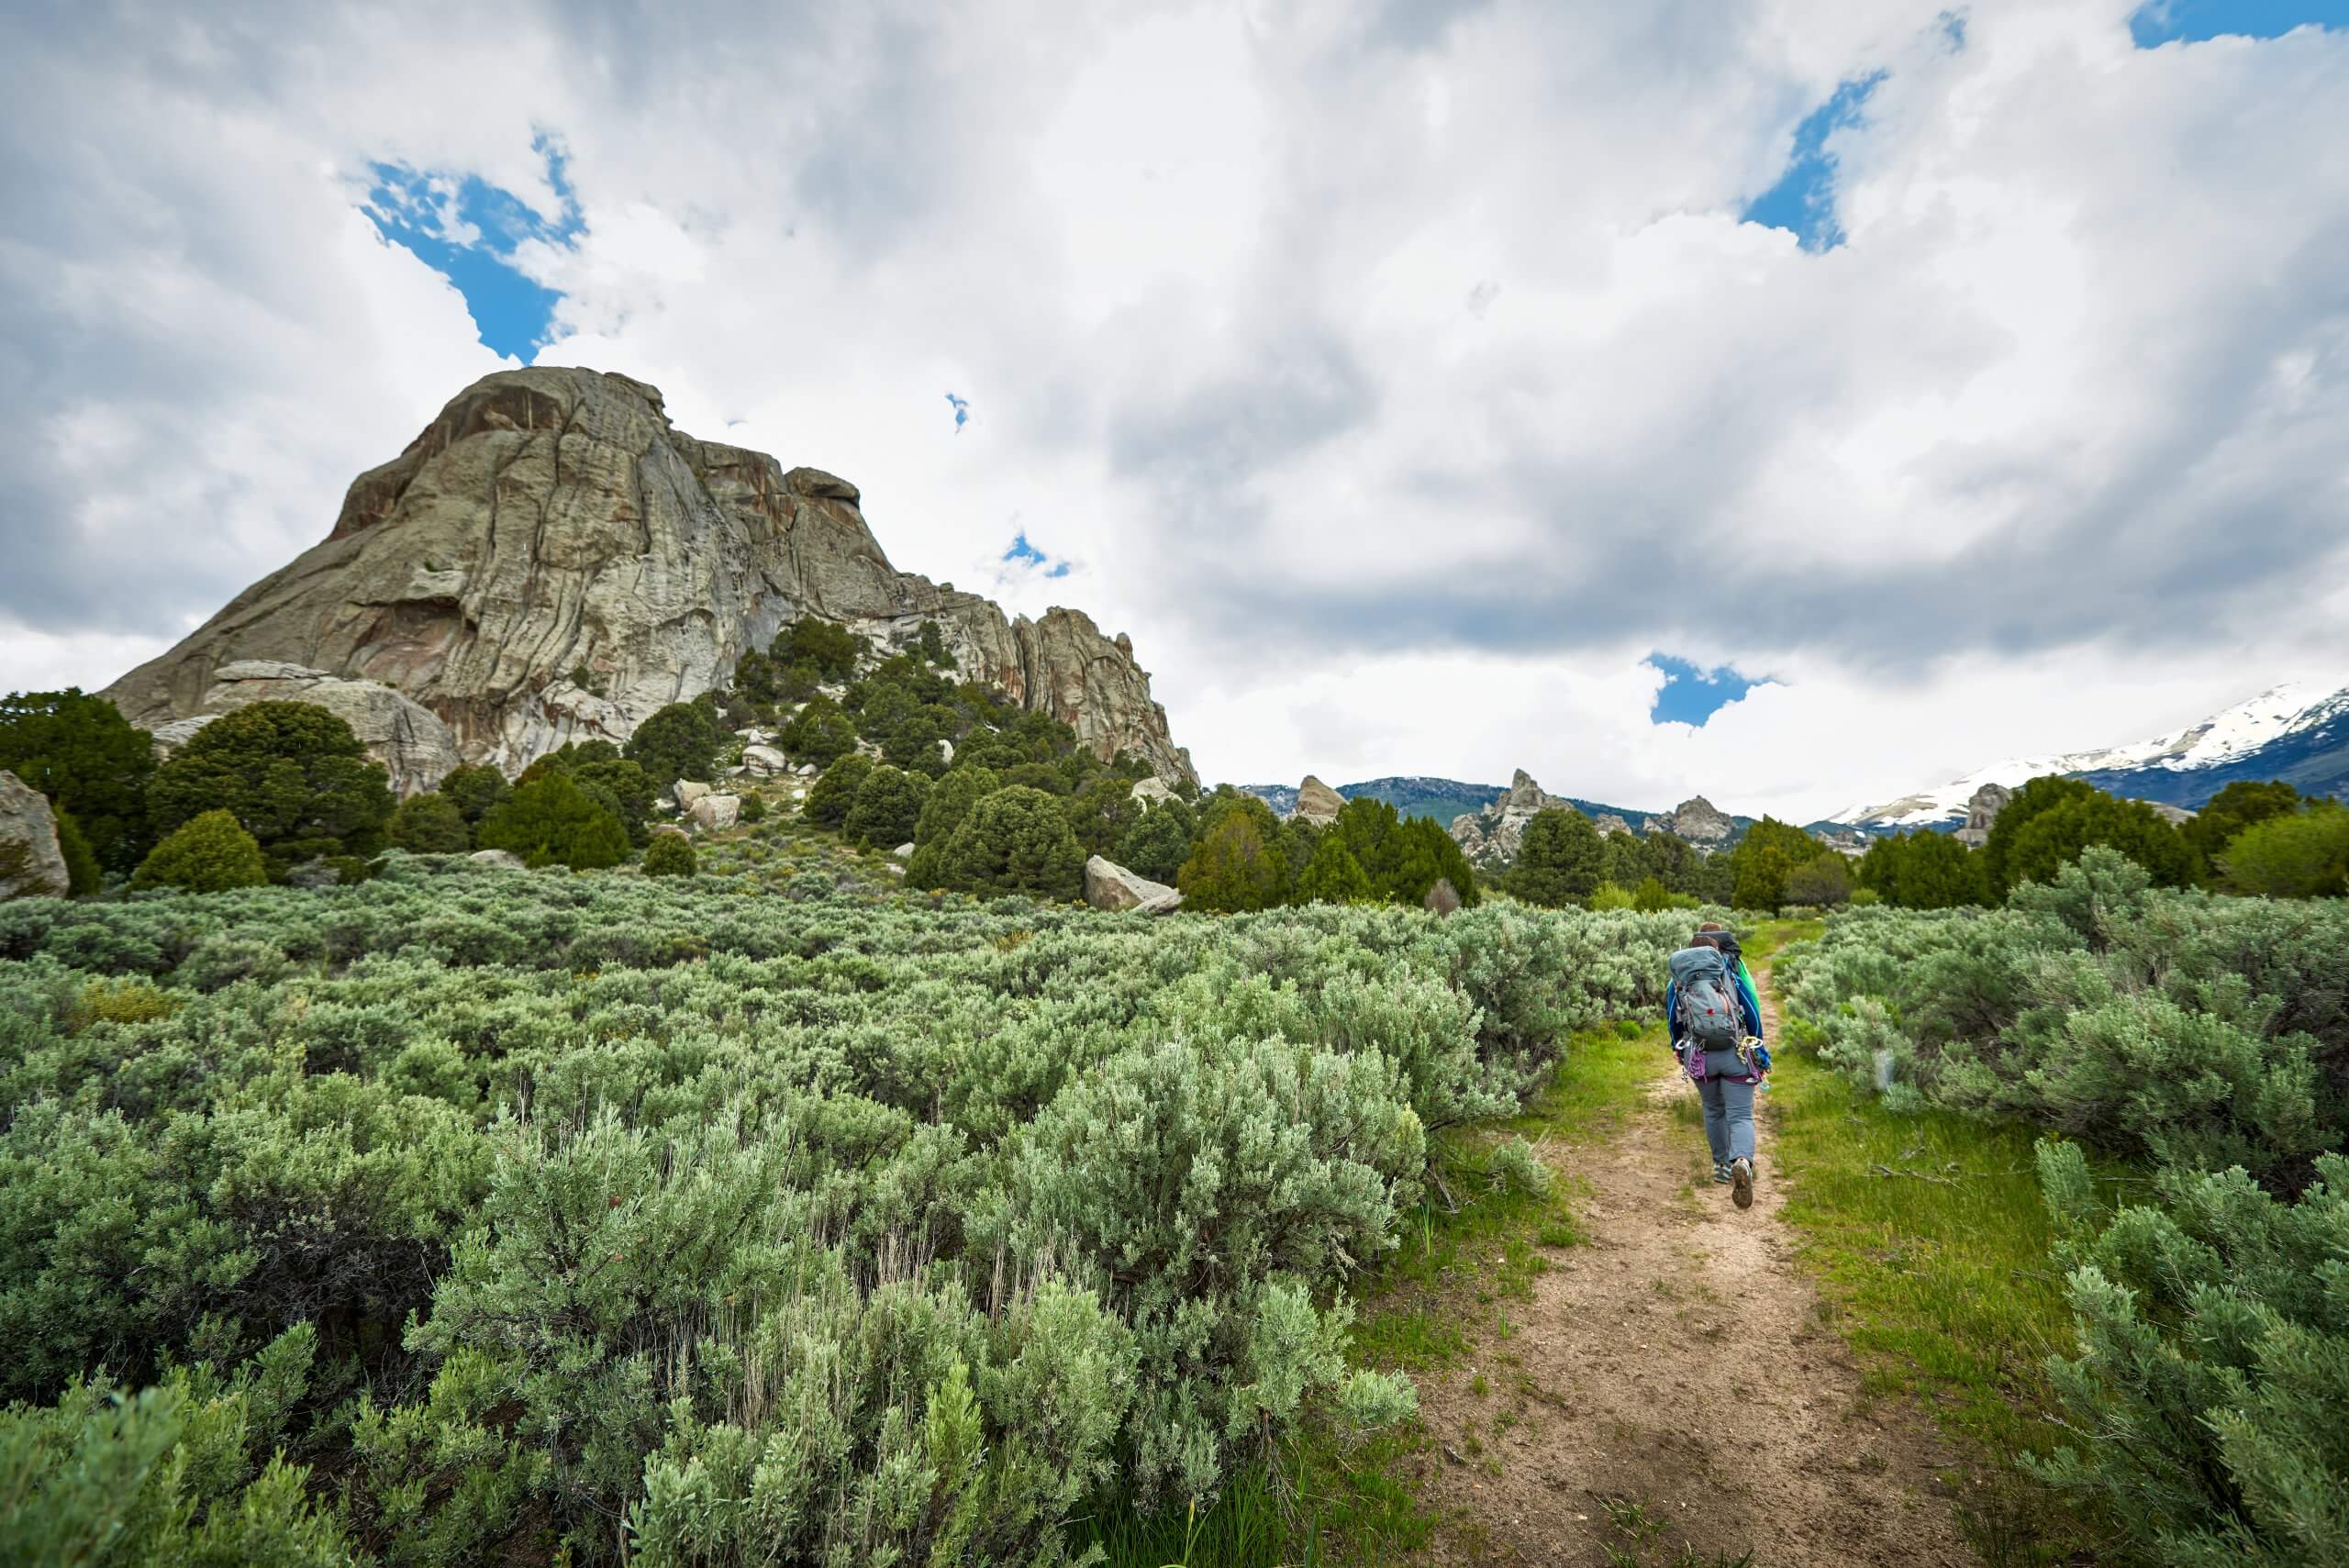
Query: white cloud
{"type": "Point", "coordinates": [1377, 364]}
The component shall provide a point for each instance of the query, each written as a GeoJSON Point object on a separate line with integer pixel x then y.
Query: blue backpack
{"type": "Point", "coordinates": [1706, 995]}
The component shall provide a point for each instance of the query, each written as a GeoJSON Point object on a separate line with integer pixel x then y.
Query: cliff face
{"type": "Point", "coordinates": [551, 560]}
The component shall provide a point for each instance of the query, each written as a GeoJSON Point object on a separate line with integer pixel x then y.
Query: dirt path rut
{"type": "Point", "coordinates": [1594, 1439]}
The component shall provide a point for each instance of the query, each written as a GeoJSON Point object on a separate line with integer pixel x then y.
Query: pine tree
{"type": "Point", "coordinates": [1561, 859]}
{"type": "Point", "coordinates": [1015, 841]}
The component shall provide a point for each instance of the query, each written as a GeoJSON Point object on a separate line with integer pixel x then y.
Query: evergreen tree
{"type": "Point", "coordinates": [819, 733]}
{"type": "Point", "coordinates": [1015, 841]}
{"type": "Point", "coordinates": [1561, 859]}
{"type": "Point", "coordinates": [679, 741]}
{"type": "Point", "coordinates": [1763, 858]}
{"type": "Point", "coordinates": [475, 788]}
{"type": "Point", "coordinates": [671, 853]}
{"type": "Point", "coordinates": [2053, 839]}
{"type": "Point", "coordinates": [832, 652]}
{"type": "Point", "coordinates": [82, 875]}
{"type": "Point", "coordinates": [2302, 855]}
{"type": "Point", "coordinates": [207, 853]}
{"type": "Point", "coordinates": [2239, 806]}
{"type": "Point", "coordinates": [83, 755]}
{"type": "Point", "coordinates": [2037, 796]}
{"type": "Point", "coordinates": [1159, 842]}
{"type": "Point", "coordinates": [834, 794]}
{"type": "Point", "coordinates": [551, 821]}
{"type": "Point", "coordinates": [291, 773]}
{"type": "Point", "coordinates": [430, 824]}
{"type": "Point", "coordinates": [1824, 881]}
{"type": "Point", "coordinates": [1238, 864]}
{"type": "Point", "coordinates": [887, 808]}
{"type": "Point", "coordinates": [1334, 876]}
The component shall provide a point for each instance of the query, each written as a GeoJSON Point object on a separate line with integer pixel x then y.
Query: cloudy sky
{"type": "Point", "coordinates": [1427, 385]}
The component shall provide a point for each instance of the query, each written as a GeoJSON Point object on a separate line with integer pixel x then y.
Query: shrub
{"type": "Point", "coordinates": [83, 755]}
{"type": "Point", "coordinates": [2304, 854]}
{"type": "Point", "coordinates": [209, 853]}
{"type": "Point", "coordinates": [888, 806]}
{"type": "Point", "coordinates": [430, 824]}
{"type": "Point", "coordinates": [671, 853]}
{"type": "Point", "coordinates": [292, 772]}
{"type": "Point", "coordinates": [679, 741]}
{"type": "Point", "coordinates": [1560, 861]}
{"type": "Point", "coordinates": [551, 821]}
{"type": "Point", "coordinates": [833, 796]}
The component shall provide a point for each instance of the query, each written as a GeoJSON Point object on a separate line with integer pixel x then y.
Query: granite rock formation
{"type": "Point", "coordinates": [1981, 811]}
{"type": "Point", "coordinates": [31, 865]}
{"type": "Point", "coordinates": [1700, 822]}
{"type": "Point", "coordinates": [553, 561]}
{"type": "Point", "coordinates": [1108, 885]}
{"type": "Point", "coordinates": [1317, 802]}
{"type": "Point", "coordinates": [1490, 838]}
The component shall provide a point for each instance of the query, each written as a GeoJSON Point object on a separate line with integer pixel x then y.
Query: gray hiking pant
{"type": "Point", "coordinates": [1728, 1117]}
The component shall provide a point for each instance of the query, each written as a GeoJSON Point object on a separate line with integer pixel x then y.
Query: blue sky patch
{"type": "Point", "coordinates": [1804, 198]}
{"type": "Point", "coordinates": [1691, 695]}
{"type": "Point", "coordinates": [2193, 21]}
{"type": "Point", "coordinates": [467, 231]}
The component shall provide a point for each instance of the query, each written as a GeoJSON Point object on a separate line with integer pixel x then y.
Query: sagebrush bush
{"type": "Point", "coordinates": [696, 1224]}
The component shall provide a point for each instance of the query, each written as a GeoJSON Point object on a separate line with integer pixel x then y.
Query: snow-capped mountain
{"type": "Point", "coordinates": [2298, 732]}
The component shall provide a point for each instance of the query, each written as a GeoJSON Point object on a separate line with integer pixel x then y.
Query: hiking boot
{"type": "Point", "coordinates": [1720, 1175]}
{"type": "Point", "coordinates": [1741, 1181]}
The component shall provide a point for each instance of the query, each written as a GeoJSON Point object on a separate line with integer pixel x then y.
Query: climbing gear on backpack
{"type": "Point", "coordinates": [1706, 996]}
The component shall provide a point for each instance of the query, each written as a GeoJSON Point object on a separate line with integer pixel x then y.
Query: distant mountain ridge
{"type": "Point", "coordinates": [2298, 732]}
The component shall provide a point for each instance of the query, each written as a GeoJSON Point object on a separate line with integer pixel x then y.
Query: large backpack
{"type": "Point", "coordinates": [1707, 998]}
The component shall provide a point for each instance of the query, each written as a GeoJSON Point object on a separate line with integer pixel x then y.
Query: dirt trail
{"type": "Point", "coordinates": [1616, 1370]}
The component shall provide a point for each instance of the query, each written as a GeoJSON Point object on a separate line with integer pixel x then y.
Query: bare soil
{"type": "Point", "coordinates": [1670, 1396]}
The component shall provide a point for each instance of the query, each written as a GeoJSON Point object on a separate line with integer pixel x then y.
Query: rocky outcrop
{"type": "Point", "coordinates": [1700, 822]}
{"type": "Point", "coordinates": [1108, 885]}
{"type": "Point", "coordinates": [1317, 802]}
{"type": "Point", "coordinates": [31, 865]}
{"type": "Point", "coordinates": [1981, 811]}
{"type": "Point", "coordinates": [1490, 838]}
{"type": "Point", "coordinates": [406, 737]}
{"type": "Point", "coordinates": [553, 561]}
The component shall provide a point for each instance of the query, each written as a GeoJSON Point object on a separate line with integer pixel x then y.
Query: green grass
{"type": "Point", "coordinates": [1930, 1243]}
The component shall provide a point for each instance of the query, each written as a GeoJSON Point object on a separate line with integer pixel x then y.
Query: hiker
{"type": "Point", "coordinates": [1715, 1018]}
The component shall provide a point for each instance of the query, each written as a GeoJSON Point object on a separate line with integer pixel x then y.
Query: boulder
{"type": "Point", "coordinates": [31, 865]}
{"type": "Point", "coordinates": [1152, 792]}
{"type": "Point", "coordinates": [687, 792]}
{"type": "Point", "coordinates": [715, 811]}
{"type": "Point", "coordinates": [1108, 885]}
{"type": "Point", "coordinates": [653, 560]}
{"type": "Point", "coordinates": [765, 761]}
{"type": "Point", "coordinates": [497, 860]}
{"type": "Point", "coordinates": [1317, 802]}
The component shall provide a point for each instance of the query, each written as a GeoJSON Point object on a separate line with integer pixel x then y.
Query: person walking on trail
{"type": "Point", "coordinates": [1715, 1018]}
